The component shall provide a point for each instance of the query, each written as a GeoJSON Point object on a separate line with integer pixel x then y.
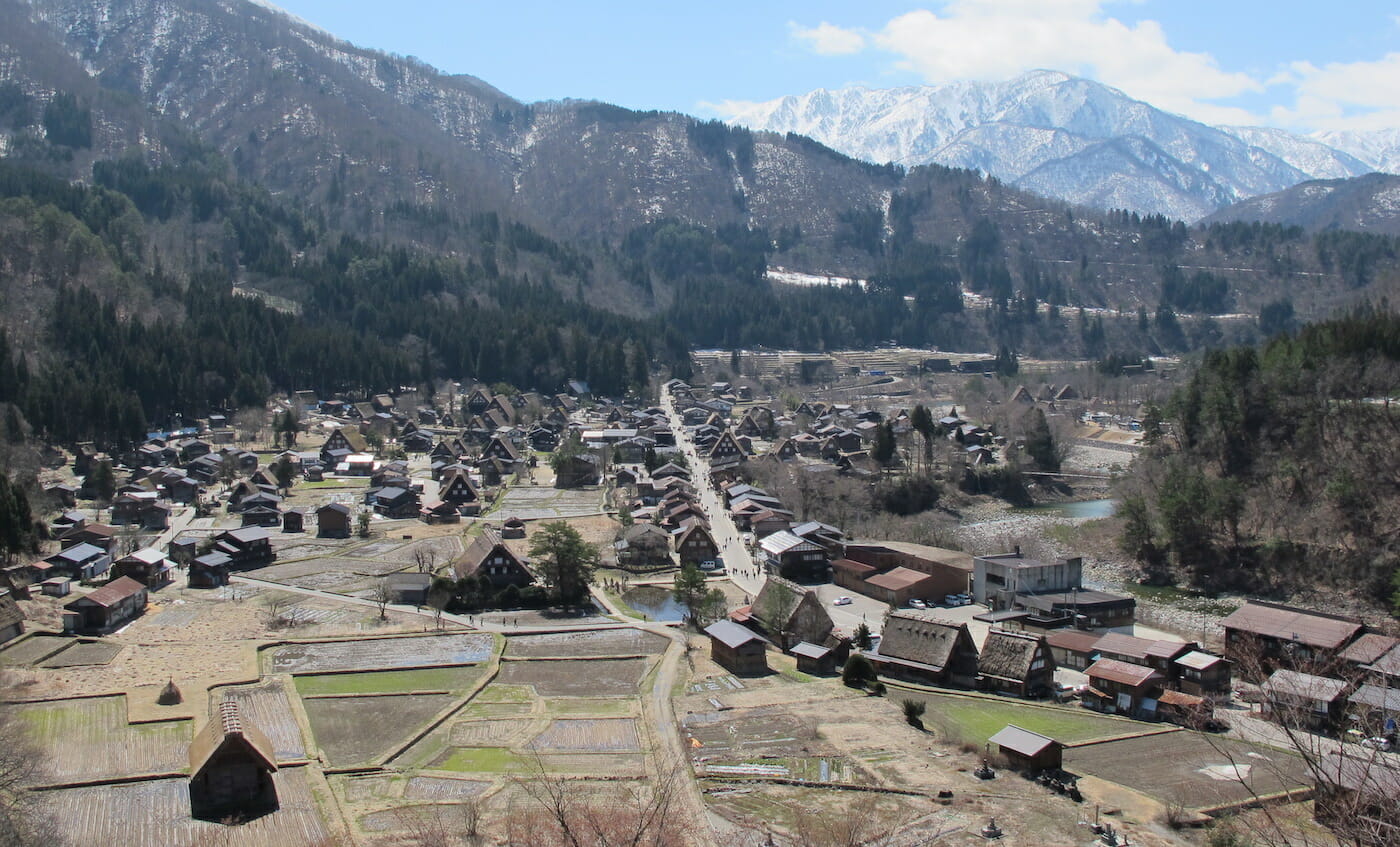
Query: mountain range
{"type": "Point", "coordinates": [323, 177]}
{"type": "Point", "coordinates": [1074, 139]}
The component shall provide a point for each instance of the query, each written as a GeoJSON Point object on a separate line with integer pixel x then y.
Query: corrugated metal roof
{"type": "Point", "coordinates": [730, 634]}
{"type": "Point", "coordinates": [1289, 624]}
{"type": "Point", "coordinates": [1022, 741]}
{"type": "Point", "coordinates": [1122, 673]}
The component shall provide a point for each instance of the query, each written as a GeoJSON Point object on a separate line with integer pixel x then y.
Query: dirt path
{"type": "Point", "coordinates": [659, 710]}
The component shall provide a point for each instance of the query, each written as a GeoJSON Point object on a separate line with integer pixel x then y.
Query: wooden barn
{"type": "Point", "coordinates": [231, 768]}
{"type": "Point", "coordinates": [737, 649]}
{"type": "Point", "coordinates": [108, 607]}
{"type": "Point", "coordinates": [1028, 751]}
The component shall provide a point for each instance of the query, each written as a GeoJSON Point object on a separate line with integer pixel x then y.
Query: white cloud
{"type": "Point", "coordinates": [1343, 95]}
{"type": "Point", "coordinates": [998, 39]}
{"type": "Point", "coordinates": [829, 40]}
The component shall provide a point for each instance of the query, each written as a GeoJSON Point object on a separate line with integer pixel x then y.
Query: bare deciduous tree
{"type": "Point", "coordinates": [22, 822]}
{"type": "Point", "coordinates": [425, 557]}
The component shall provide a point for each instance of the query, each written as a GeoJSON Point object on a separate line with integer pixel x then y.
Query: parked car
{"type": "Point", "coordinates": [1378, 743]}
{"type": "Point", "coordinates": [710, 565]}
{"type": "Point", "coordinates": [841, 601]}
{"type": "Point", "coordinates": [916, 603]}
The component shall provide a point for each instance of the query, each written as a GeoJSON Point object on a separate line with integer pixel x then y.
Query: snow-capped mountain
{"type": "Point", "coordinates": [1059, 135]}
{"type": "Point", "coordinates": [1380, 148]}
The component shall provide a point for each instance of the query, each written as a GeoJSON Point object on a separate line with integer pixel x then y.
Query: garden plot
{"type": "Point", "coordinates": [443, 549]}
{"type": "Point", "coordinates": [388, 682]}
{"type": "Point", "coordinates": [441, 788]}
{"type": "Point", "coordinates": [310, 567]}
{"type": "Point", "coordinates": [336, 582]}
{"type": "Point", "coordinates": [583, 735]}
{"type": "Point", "coordinates": [602, 642]}
{"type": "Point", "coordinates": [293, 550]}
{"type": "Point", "coordinates": [715, 685]}
{"type": "Point", "coordinates": [1191, 769]}
{"type": "Point", "coordinates": [529, 502]}
{"type": "Point", "coordinates": [90, 739]}
{"type": "Point", "coordinates": [577, 678]}
{"type": "Point", "coordinates": [267, 707]}
{"type": "Point", "coordinates": [760, 731]}
{"type": "Point", "coordinates": [309, 614]}
{"type": "Point", "coordinates": [156, 813]}
{"type": "Point", "coordinates": [427, 817]}
{"type": "Point", "coordinates": [33, 650]}
{"type": "Point", "coordinates": [487, 733]}
{"type": "Point", "coordinates": [354, 730]}
{"type": "Point", "coordinates": [385, 653]}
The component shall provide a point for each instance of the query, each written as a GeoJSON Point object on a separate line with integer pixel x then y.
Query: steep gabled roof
{"type": "Point", "coordinates": [1008, 655]}
{"type": "Point", "coordinates": [229, 729]}
{"type": "Point", "coordinates": [927, 641]}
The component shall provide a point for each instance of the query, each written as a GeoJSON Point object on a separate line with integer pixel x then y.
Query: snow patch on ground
{"type": "Point", "coordinates": [788, 277]}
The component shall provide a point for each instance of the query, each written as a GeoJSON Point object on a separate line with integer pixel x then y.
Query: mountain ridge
{"type": "Point", "coordinates": [1013, 128]}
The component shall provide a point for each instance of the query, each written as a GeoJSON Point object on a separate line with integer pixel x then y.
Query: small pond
{"type": "Point", "coordinates": [1080, 509]}
{"type": "Point", "coordinates": [654, 602]}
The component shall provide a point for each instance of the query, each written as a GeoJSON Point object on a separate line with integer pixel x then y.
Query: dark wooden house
{"type": "Point", "coordinates": [1122, 688]}
{"type": "Point", "coordinates": [231, 769]}
{"type": "Point", "coordinates": [737, 649]}
{"type": "Point", "coordinates": [110, 606]}
{"type": "Point", "coordinates": [333, 521]}
{"type": "Point", "coordinates": [488, 558]}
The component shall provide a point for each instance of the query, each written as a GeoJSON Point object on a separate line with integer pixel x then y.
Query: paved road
{"type": "Point", "coordinates": [738, 563]}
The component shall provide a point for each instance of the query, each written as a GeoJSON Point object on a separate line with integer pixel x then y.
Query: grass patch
{"type": "Point", "coordinates": [329, 483]}
{"type": "Point", "coordinates": [796, 675]}
{"type": "Point", "coordinates": [602, 708]}
{"type": "Point", "coordinates": [497, 693]}
{"type": "Point", "coordinates": [622, 606]}
{"type": "Point", "coordinates": [974, 720]}
{"type": "Point", "coordinates": [388, 682]}
{"type": "Point", "coordinates": [475, 709]}
{"type": "Point", "coordinates": [481, 760]}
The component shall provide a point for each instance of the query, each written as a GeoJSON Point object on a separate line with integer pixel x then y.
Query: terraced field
{"type": "Point", "coordinates": [380, 653]}
{"type": "Point", "coordinates": [354, 730]}
{"type": "Point", "coordinates": [602, 642]}
{"type": "Point", "coordinates": [90, 739]}
{"type": "Point", "coordinates": [577, 678]}
{"type": "Point", "coordinates": [583, 735]}
{"type": "Point", "coordinates": [156, 813]}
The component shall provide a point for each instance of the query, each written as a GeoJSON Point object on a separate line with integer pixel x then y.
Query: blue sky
{"type": "Point", "coordinates": [1298, 64]}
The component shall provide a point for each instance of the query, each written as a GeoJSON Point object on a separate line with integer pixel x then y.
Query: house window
{"type": "Point", "coordinates": [1037, 664]}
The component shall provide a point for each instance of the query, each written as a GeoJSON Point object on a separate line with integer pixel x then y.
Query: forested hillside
{"type": "Point", "coordinates": [200, 203]}
{"type": "Point", "coordinates": [1275, 470]}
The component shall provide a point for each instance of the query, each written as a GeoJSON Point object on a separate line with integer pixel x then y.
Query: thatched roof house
{"type": "Point", "coordinates": [926, 649]}
{"type": "Point", "coordinates": [1015, 663]}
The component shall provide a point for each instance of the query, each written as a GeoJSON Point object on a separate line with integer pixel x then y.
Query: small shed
{"type": "Point", "coordinates": [513, 528]}
{"type": "Point", "coordinates": [1028, 751]}
{"type": "Point", "coordinates": [737, 649]}
{"type": "Point", "coordinates": [58, 586]}
{"type": "Point", "coordinates": [333, 521]}
{"type": "Point", "coordinates": [815, 659]}
{"type": "Point", "coordinates": [110, 606]}
{"type": "Point", "coordinates": [231, 768]}
{"type": "Point", "coordinates": [294, 520]}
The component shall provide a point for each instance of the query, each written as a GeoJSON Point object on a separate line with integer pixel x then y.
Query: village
{"type": "Point", "coordinates": [325, 624]}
